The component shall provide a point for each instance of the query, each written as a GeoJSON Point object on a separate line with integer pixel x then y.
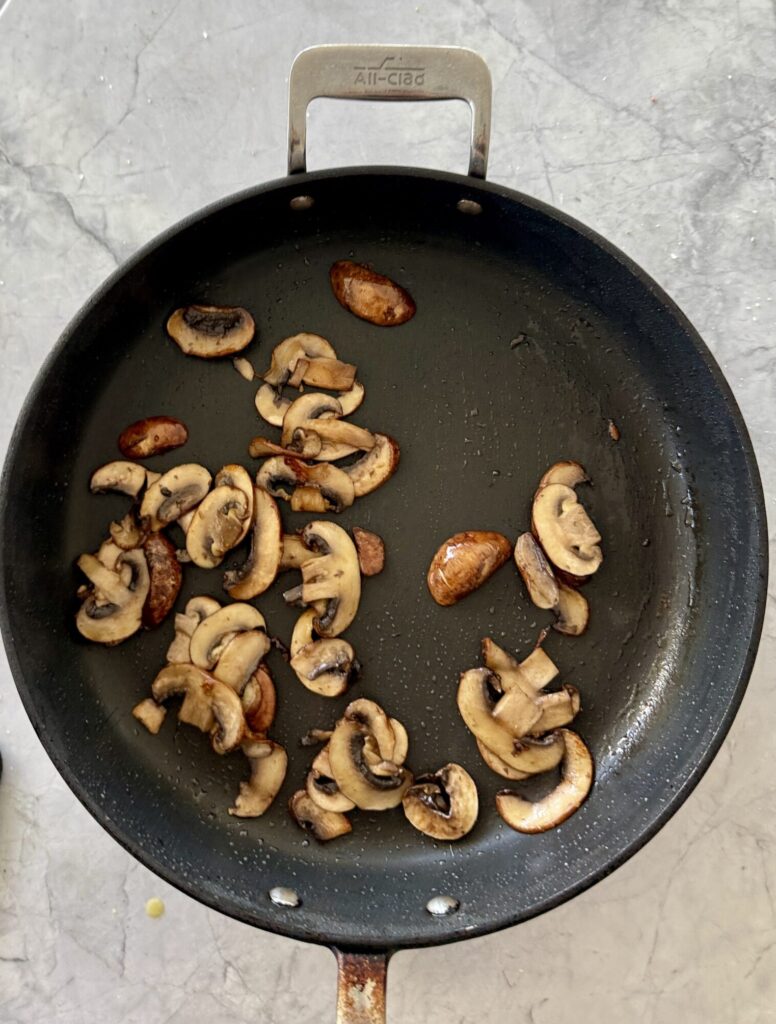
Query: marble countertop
{"type": "Point", "coordinates": [655, 124]}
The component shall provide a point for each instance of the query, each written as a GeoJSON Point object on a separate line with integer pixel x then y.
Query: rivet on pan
{"type": "Point", "coordinates": [284, 897]}
{"type": "Point", "coordinates": [301, 202]}
{"type": "Point", "coordinates": [441, 906]}
{"type": "Point", "coordinates": [468, 206]}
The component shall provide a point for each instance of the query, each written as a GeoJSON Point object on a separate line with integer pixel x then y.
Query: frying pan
{"type": "Point", "coordinates": [532, 333]}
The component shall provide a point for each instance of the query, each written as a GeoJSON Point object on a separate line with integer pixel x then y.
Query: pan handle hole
{"type": "Point", "coordinates": [282, 896]}
{"type": "Point", "coordinates": [301, 202]}
{"type": "Point", "coordinates": [468, 206]}
{"type": "Point", "coordinates": [441, 906]}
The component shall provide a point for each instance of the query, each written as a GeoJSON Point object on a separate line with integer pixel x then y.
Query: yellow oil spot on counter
{"type": "Point", "coordinates": [154, 907]}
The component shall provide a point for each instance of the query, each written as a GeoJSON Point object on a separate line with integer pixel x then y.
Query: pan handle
{"type": "Point", "coordinates": [377, 72]}
{"type": "Point", "coordinates": [361, 987]}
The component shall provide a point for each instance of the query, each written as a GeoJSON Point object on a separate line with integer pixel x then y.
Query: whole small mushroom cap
{"type": "Point", "coordinates": [269, 763]}
{"type": "Point", "coordinates": [211, 331]}
{"type": "Point", "coordinates": [464, 562]}
{"type": "Point", "coordinates": [443, 805]}
{"type": "Point", "coordinates": [565, 531]}
{"type": "Point", "coordinates": [320, 824]}
{"type": "Point", "coordinates": [532, 817]}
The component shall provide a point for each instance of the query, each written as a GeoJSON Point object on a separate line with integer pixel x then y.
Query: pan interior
{"type": "Point", "coordinates": [529, 339]}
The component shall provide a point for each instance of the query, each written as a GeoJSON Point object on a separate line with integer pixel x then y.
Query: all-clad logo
{"type": "Point", "coordinates": [386, 73]}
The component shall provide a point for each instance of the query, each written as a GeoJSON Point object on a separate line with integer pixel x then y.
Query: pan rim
{"type": "Point", "coordinates": [755, 607]}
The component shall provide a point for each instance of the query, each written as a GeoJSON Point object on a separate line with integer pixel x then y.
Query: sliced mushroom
{"type": "Point", "coordinates": [271, 405]}
{"type": "Point", "coordinates": [124, 477]}
{"type": "Point", "coordinates": [565, 531]}
{"type": "Point", "coordinates": [567, 472]}
{"type": "Point", "coordinates": [497, 765]}
{"type": "Point", "coordinates": [573, 611]}
{"type": "Point", "coordinates": [268, 762]}
{"type": "Point", "coordinates": [112, 610]}
{"type": "Point", "coordinates": [557, 709]}
{"type": "Point", "coordinates": [401, 742]}
{"type": "Point", "coordinates": [233, 475]}
{"type": "Point", "coordinates": [208, 704]}
{"type": "Point", "coordinates": [127, 533]}
{"type": "Point", "coordinates": [166, 577]}
{"type": "Point", "coordinates": [174, 493]}
{"type": "Point", "coordinates": [286, 355]}
{"type": "Point", "coordinates": [373, 469]}
{"type": "Point", "coordinates": [295, 552]}
{"type": "Point", "coordinates": [350, 400]}
{"type": "Point", "coordinates": [476, 703]}
{"type": "Point", "coordinates": [260, 568]}
{"type": "Point", "coordinates": [108, 555]}
{"type": "Point", "coordinates": [244, 367]}
{"type": "Point", "coordinates": [324, 373]}
{"type": "Point", "coordinates": [326, 666]}
{"type": "Point", "coordinates": [154, 435]}
{"type": "Point", "coordinates": [334, 439]}
{"type": "Point", "coordinates": [284, 477]}
{"type": "Point", "coordinates": [259, 701]}
{"type": "Point", "coordinates": [320, 824]}
{"type": "Point", "coordinates": [530, 675]}
{"type": "Point", "coordinates": [374, 720]}
{"type": "Point", "coordinates": [211, 331]}
{"type": "Point", "coordinates": [517, 712]}
{"type": "Point", "coordinates": [209, 639]}
{"type": "Point", "coordinates": [241, 658]}
{"type": "Point", "coordinates": [464, 562]}
{"type": "Point", "coordinates": [197, 609]}
{"type": "Point", "coordinates": [333, 579]}
{"type": "Point", "coordinates": [568, 796]}
{"type": "Point", "coordinates": [538, 669]}
{"type": "Point", "coordinates": [371, 551]}
{"type": "Point", "coordinates": [302, 420]}
{"type": "Point", "coordinates": [150, 714]}
{"type": "Point", "coordinates": [306, 446]}
{"type": "Point", "coordinates": [321, 787]}
{"type": "Point", "coordinates": [354, 776]}
{"type": "Point", "coordinates": [443, 805]}
{"type": "Point", "coordinates": [369, 295]}
{"type": "Point", "coordinates": [536, 571]}
{"type": "Point", "coordinates": [219, 524]}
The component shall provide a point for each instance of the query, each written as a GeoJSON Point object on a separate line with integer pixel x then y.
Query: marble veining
{"type": "Point", "coordinates": [654, 123]}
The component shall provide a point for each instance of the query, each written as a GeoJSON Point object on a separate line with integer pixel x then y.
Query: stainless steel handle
{"type": "Point", "coordinates": [376, 72]}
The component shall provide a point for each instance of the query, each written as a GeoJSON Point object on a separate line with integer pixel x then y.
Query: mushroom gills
{"type": "Point", "coordinates": [260, 568]}
{"type": "Point", "coordinates": [444, 805]}
{"type": "Point", "coordinates": [174, 493]}
{"type": "Point", "coordinates": [211, 636]}
{"type": "Point", "coordinates": [321, 824]}
{"type": "Point", "coordinates": [565, 531]}
{"type": "Point", "coordinates": [211, 331]}
{"type": "Point", "coordinates": [219, 523]}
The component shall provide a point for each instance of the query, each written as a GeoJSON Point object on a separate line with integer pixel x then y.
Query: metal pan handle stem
{"type": "Point", "coordinates": [361, 987]}
{"type": "Point", "coordinates": [389, 73]}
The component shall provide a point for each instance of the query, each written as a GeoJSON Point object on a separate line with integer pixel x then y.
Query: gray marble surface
{"type": "Point", "coordinates": [652, 121]}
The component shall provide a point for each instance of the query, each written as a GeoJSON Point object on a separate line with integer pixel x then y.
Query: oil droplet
{"type": "Point", "coordinates": [154, 907]}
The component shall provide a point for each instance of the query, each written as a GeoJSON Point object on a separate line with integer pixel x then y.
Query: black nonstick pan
{"type": "Point", "coordinates": [532, 334]}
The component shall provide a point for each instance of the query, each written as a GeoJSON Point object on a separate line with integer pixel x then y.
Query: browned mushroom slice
{"type": "Point", "coordinates": [295, 552]}
{"type": "Point", "coordinates": [241, 658]}
{"type": "Point", "coordinates": [211, 331]}
{"type": "Point", "coordinates": [369, 295]}
{"type": "Point", "coordinates": [268, 763]}
{"type": "Point", "coordinates": [290, 479]}
{"type": "Point", "coordinates": [371, 717]}
{"type": "Point", "coordinates": [477, 696]}
{"type": "Point", "coordinates": [557, 709]}
{"type": "Point", "coordinates": [401, 742]}
{"type": "Point", "coordinates": [244, 367]}
{"type": "Point", "coordinates": [517, 711]}
{"type": "Point", "coordinates": [233, 475]}
{"type": "Point", "coordinates": [371, 551]}
{"type": "Point", "coordinates": [350, 400]}
{"type": "Point", "coordinates": [354, 776]}
{"type": "Point", "coordinates": [209, 704]}
{"type": "Point", "coordinates": [271, 405]}
{"type": "Point", "coordinates": [573, 611]}
{"type": "Point", "coordinates": [497, 765]}
{"type": "Point", "coordinates": [331, 582]}
{"type": "Point", "coordinates": [310, 426]}
{"type": "Point", "coordinates": [150, 714]}
{"type": "Point", "coordinates": [320, 824]}
{"type": "Point", "coordinates": [444, 805]}
{"type": "Point", "coordinates": [565, 531]}
{"type": "Point", "coordinates": [286, 355]}
{"type": "Point", "coordinates": [166, 577]}
{"type": "Point", "coordinates": [536, 572]}
{"type": "Point", "coordinates": [218, 525]}
{"type": "Point", "coordinates": [259, 701]}
{"type": "Point", "coordinates": [321, 787]}
{"type": "Point", "coordinates": [567, 472]}
{"type": "Point", "coordinates": [464, 562]}
{"type": "Point", "coordinates": [112, 609]}
{"type": "Point", "coordinates": [128, 533]}
{"type": "Point", "coordinates": [210, 638]}
{"type": "Point", "coordinates": [153, 435]}
{"type": "Point", "coordinates": [260, 568]}
{"type": "Point", "coordinates": [174, 493]}
{"type": "Point", "coordinates": [328, 373]}
{"type": "Point", "coordinates": [568, 796]}
{"type": "Point", "coordinates": [323, 666]}
{"type": "Point", "coordinates": [376, 467]}
{"type": "Point", "coordinates": [197, 609]}
{"type": "Point", "coordinates": [307, 446]}
{"type": "Point", "coordinates": [531, 675]}
{"type": "Point", "coordinates": [123, 477]}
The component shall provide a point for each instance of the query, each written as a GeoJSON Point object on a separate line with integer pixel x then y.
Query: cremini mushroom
{"type": "Point", "coordinates": [211, 331]}
{"type": "Point", "coordinates": [517, 711]}
{"type": "Point", "coordinates": [306, 446]}
{"type": "Point", "coordinates": [324, 666]}
{"type": "Point", "coordinates": [241, 658]}
{"type": "Point", "coordinates": [494, 762]}
{"type": "Point", "coordinates": [576, 779]}
{"type": "Point", "coordinates": [320, 824]}
{"type": "Point", "coordinates": [153, 435]}
{"type": "Point", "coordinates": [208, 704]}
{"type": "Point", "coordinates": [565, 472]}
{"type": "Point", "coordinates": [573, 611]}
{"type": "Point", "coordinates": [165, 579]}
{"type": "Point", "coordinates": [210, 638]}
{"type": "Point", "coordinates": [443, 805]}
{"type": "Point", "coordinates": [127, 533]}
{"type": "Point", "coordinates": [288, 352]}
{"type": "Point", "coordinates": [174, 493]}
{"type": "Point", "coordinates": [321, 488]}
{"type": "Point", "coordinates": [536, 572]}
{"type": "Point", "coordinates": [557, 709]}
{"type": "Point", "coordinates": [295, 552]}
{"type": "Point", "coordinates": [260, 568]}
{"type": "Point", "coordinates": [321, 787]}
{"type": "Point", "coordinates": [371, 551]}
{"type": "Point", "coordinates": [244, 367]}
{"type": "Point", "coordinates": [233, 475]}
{"type": "Point", "coordinates": [197, 609]}
{"type": "Point", "coordinates": [268, 763]}
{"type": "Point", "coordinates": [350, 400]}
{"type": "Point", "coordinates": [259, 701]}
{"type": "Point", "coordinates": [271, 405]}
{"type": "Point", "coordinates": [565, 531]}
{"type": "Point", "coordinates": [464, 562]}
{"type": "Point", "coordinates": [331, 582]}
{"type": "Point", "coordinates": [367, 788]}
{"type": "Point", "coordinates": [150, 714]}
{"type": "Point", "coordinates": [312, 426]}
{"type": "Point", "coordinates": [369, 295]}
{"type": "Point", "coordinates": [124, 477]}
{"type": "Point", "coordinates": [478, 692]}
{"type": "Point", "coordinates": [219, 524]}
{"type": "Point", "coordinates": [112, 609]}
{"type": "Point", "coordinates": [375, 467]}
{"type": "Point", "coordinates": [530, 675]}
